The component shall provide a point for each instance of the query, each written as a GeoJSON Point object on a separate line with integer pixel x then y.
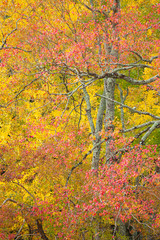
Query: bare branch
{"type": "Point", "coordinates": [88, 103]}
{"type": "Point", "coordinates": [80, 163]}
{"type": "Point", "coordinates": [18, 48]}
{"type": "Point", "coordinates": [65, 107]}
{"type": "Point", "coordinates": [116, 75]}
{"type": "Point", "coordinates": [145, 224]}
{"type": "Point", "coordinates": [73, 109]}
{"type": "Point", "coordinates": [7, 200]}
{"type": "Point", "coordinates": [131, 109]}
{"type": "Point", "coordinates": [19, 184]}
{"type": "Point", "coordinates": [134, 81]}
{"type": "Point", "coordinates": [95, 10]}
{"type": "Point", "coordinates": [17, 235]}
{"type": "Point", "coordinates": [22, 90]}
{"type": "Point", "coordinates": [143, 59]}
{"type": "Point", "coordinates": [116, 220]}
{"type": "Point", "coordinates": [135, 64]}
{"type": "Point", "coordinates": [151, 129]}
{"type": "Point", "coordinates": [130, 66]}
{"type": "Point", "coordinates": [141, 132]}
{"type": "Point", "coordinates": [4, 41]}
{"type": "Point", "coordinates": [138, 126]}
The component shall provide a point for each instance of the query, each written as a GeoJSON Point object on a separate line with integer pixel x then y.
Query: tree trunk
{"type": "Point", "coordinates": [109, 116]}
{"type": "Point", "coordinates": [99, 124]}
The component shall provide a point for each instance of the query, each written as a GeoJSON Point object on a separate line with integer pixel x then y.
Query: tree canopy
{"type": "Point", "coordinates": [79, 120]}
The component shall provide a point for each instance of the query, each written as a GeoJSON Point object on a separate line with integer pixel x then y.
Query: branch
{"type": "Point", "coordinates": [138, 126]}
{"type": "Point", "coordinates": [17, 235]}
{"type": "Point", "coordinates": [141, 132]}
{"type": "Point", "coordinates": [68, 99]}
{"type": "Point", "coordinates": [135, 64]}
{"type": "Point", "coordinates": [130, 66]}
{"type": "Point", "coordinates": [131, 109]}
{"type": "Point", "coordinates": [4, 106]}
{"type": "Point", "coordinates": [151, 129]}
{"type": "Point", "coordinates": [137, 82]}
{"type": "Point", "coordinates": [120, 152]}
{"type": "Point", "coordinates": [95, 10]}
{"type": "Point", "coordinates": [21, 49]}
{"type": "Point", "coordinates": [26, 235]}
{"type": "Point", "coordinates": [116, 75]}
{"type": "Point", "coordinates": [145, 224]}
{"type": "Point", "coordinates": [4, 41]}
{"type": "Point", "coordinates": [73, 109]}
{"type": "Point", "coordinates": [26, 191]}
{"type": "Point", "coordinates": [127, 148]}
{"type": "Point", "coordinates": [143, 59]}
{"type": "Point", "coordinates": [7, 200]}
{"type": "Point", "coordinates": [88, 103]}
{"type": "Point", "coordinates": [80, 163]}
{"type": "Point", "coordinates": [116, 219]}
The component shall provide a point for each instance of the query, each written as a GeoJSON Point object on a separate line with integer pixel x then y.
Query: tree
{"type": "Point", "coordinates": [83, 60]}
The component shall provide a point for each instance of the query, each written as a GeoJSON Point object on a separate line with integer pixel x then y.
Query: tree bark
{"type": "Point", "coordinates": [109, 115]}
{"type": "Point", "coordinates": [99, 124]}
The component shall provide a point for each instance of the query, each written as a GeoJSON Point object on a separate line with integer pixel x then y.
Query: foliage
{"type": "Point", "coordinates": [79, 124]}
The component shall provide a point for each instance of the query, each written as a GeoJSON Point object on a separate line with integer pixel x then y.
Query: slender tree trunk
{"type": "Point", "coordinates": [99, 124]}
{"type": "Point", "coordinates": [109, 115]}
{"type": "Point", "coordinates": [109, 83]}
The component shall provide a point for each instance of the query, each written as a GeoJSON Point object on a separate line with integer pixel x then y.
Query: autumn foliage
{"type": "Point", "coordinates": [79, 120]}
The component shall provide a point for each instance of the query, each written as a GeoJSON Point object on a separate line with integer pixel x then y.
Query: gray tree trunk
{"type": "Point", "coordinates": [109, 108]}
{"type": "Point", "coordinates": [99, 124]}
{"type": "Point", "coordinates": [109, 115]}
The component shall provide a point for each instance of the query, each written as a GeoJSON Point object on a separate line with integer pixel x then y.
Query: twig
{"type": "Point", "coordinates": [26, 191]}
{"type": "Point", "coordinates": [17, 235]}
